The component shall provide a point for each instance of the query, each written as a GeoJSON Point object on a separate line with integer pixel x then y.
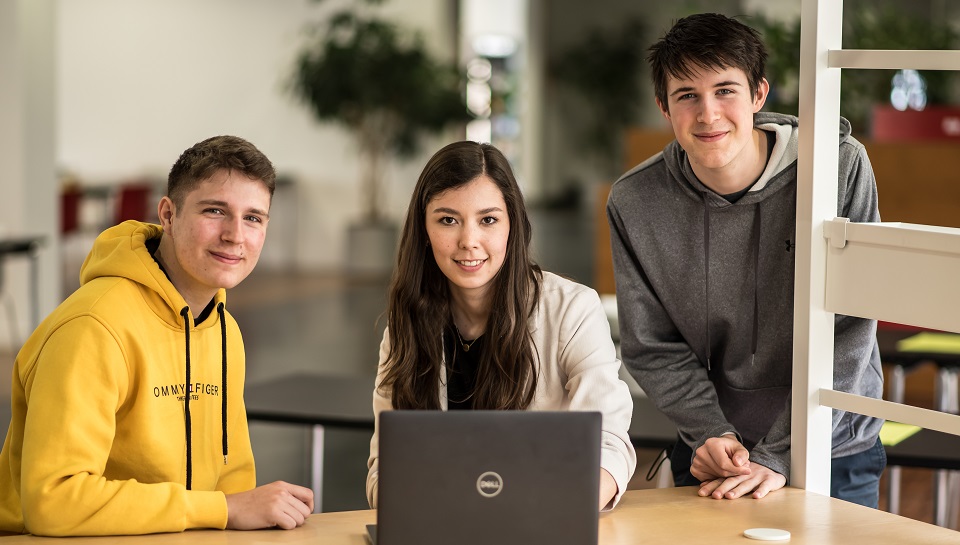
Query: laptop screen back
{"type": "Point", "coordinates": [480, 477]}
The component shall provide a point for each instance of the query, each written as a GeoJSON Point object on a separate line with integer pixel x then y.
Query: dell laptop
{"type": "Point", "coordinates": [488, 477]}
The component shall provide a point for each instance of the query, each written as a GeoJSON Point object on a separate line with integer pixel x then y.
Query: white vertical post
{"type": "Point", "coordinates": [316, 466]}
{"type": "Point", "coordinates": [532, 92]}
{"type": "Point", "coordinates": [821, 26]}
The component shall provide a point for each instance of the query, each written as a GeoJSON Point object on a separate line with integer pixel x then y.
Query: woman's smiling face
{"type": "Point", "coordinates": [468, 228]}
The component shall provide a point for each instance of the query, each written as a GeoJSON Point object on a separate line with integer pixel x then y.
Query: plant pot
{"type": "Point", "coordinates": [371, 248]}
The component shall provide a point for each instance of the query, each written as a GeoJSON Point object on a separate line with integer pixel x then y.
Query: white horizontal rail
{"type": "Point", "coordinates": [929, 238]}
{"type": "Point", "coordinates": [897, 272]}
{"type": "Point", "coordinates": [888, 410]}
{"type": "Point", "coordinates": [894, 59]}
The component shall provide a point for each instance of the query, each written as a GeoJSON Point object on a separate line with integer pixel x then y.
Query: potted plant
{"type": "Point", "coordinates": [379, 82]}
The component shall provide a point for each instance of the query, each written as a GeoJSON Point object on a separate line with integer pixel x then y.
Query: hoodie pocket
{"type": "Point", "coordinates": [752, 411]}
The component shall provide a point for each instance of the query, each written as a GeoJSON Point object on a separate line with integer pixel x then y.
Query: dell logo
{"type": "Point", "coordinates": [489, 484]}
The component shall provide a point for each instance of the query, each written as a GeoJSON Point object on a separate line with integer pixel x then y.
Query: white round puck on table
{"type": "Point", "coordinates": [767, 534]}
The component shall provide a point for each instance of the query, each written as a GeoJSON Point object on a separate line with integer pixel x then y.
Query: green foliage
{"type": "Point", "coordinates": [605, 69]}
{"type": "Point", "coordinates": [874, 25]}
{"type": "Point", "coordinates": [378, 81]}
{"type": "Point", "coordinates": [783, 63]}
{"type": "Point", "coordinates": [884, 27]}
{"type": "Point", "coordinates": [381, 83]}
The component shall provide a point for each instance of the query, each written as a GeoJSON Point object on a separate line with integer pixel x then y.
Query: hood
{"type": "Point", "coordinates": [783, 158]}
{"type": "Point", "coordinates": [121, 251]}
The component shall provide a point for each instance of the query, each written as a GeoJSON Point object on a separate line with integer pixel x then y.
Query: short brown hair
{"type": "Point", "coordinates": [706, 41]}
{"type": "Point", "coordinates": [204, 159]}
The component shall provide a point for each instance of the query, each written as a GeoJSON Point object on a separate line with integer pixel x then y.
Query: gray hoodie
{"type": "Point", "coordinates": [705, 297]}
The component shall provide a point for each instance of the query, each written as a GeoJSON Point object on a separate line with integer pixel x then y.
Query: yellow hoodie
{"type": "Point", "coordinates": [98, 441]}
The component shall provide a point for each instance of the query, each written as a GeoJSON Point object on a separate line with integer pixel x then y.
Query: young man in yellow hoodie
{"type": "Point", "coordinates": [128, 414]}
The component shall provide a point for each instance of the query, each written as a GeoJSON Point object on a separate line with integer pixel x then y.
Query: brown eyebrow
{"type": "Point", "coordinates": [224, 204]}
{"type": "Point", "coordinates": [728, 84]}
{"type": "Point", "coordinates": [444, 210]}
{"type": "Point", "coordinates": [688, 89]}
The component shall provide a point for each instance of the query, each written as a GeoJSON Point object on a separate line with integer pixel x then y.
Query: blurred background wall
{"type": "Point", "coordinates": [97, 94]}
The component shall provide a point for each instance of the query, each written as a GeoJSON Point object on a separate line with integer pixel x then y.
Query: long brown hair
{"type": "Point", "coordinates": [418, 309]}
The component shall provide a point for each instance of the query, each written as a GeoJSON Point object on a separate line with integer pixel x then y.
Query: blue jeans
{"type": "Point", "coordinates": [854, 478]}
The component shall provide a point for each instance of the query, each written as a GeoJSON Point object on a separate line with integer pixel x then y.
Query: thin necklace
{"type": "Point", "coordinates": [465, 345]}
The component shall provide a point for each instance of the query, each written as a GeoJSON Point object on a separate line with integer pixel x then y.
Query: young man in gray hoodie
{"type": "Point", "coordinates": [703, 248]}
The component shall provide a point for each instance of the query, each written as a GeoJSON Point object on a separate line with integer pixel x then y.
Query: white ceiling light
{"type": "Point", "coordinates": [493, 28]}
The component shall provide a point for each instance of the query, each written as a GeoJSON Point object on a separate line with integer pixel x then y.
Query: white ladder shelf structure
{"type": "Point", "coordinates": [895, 272]}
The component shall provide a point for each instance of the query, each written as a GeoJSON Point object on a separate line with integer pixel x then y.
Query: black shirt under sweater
{"type": "Point", "coordinates": [153, 245]}
{"type": "Point", "coordinates": [462, 369]}
{"type": "Point", "coordinates": [735, 196]}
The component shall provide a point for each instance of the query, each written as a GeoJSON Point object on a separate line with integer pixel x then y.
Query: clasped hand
{"type": "Point", "coordinates": [723, 467]}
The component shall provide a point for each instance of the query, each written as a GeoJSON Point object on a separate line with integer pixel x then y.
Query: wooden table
{"type": "Point", "coordinates": [928, 449]}
{"type": "Point", "coordinates": [656, 516]}
{"type": "Point", "coordinates": [334, 401]}
{"type": "Point", "coordinates": [319, 401]}
{"type": "Point", "coordinates": [26, 246]}
{"type": "Point", "coordinates": [900, 361]}
{"type": "Point", "coordinates": [946, 484]}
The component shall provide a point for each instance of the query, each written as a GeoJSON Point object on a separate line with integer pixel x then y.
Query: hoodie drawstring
{"type": "Point", "coordinates": [706, 271]}
{"type": "Point", "coordinates": [755, 333]}
{"type": "Point", "coordinates": [756, 282]}
{"type": "Point", "coordinates": [185, 312]}
{"type": "Point", "coordinates": [223, 385]}
{"type": "Point", "coordinates": [188, 421]}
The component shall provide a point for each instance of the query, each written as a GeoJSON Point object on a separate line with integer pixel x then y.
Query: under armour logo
{"type": "Point", "coordinates": [790, 245]}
